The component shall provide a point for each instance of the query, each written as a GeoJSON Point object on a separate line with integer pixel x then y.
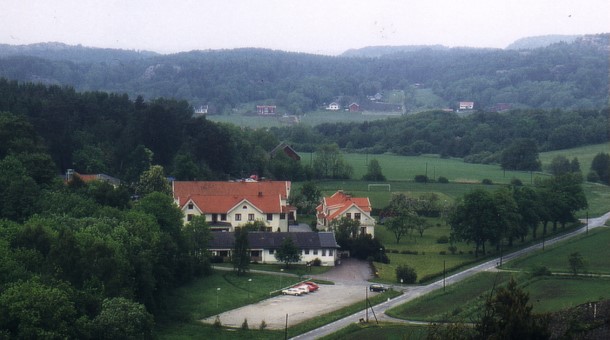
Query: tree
{"type": "Point", "coordinates": [560, 165]}
{"type": "Point", "coordinates": [527, 200]}
{"type": "Point", "coordinates": [471, 218]}
{"type": "Point", "coordinates": [521, 154]}
{"type": "Point", "coordinates": [121, 318]}
{"type": "Point", "coordinates": [405, 274]}
{"type": "Point", "coordinates": [329, 163]}
{"type": "Point", "coordinates": [507, 315]}
{"type": "Point", "coordinates": [33, 310]}
{"type": "Point", "coordinates": [241, 252]}
{"type": "Point", "coordinates": [288, 252]}
{"type": "Point", "coordinates": [153, 180]}
{"type": "Point", "coordinates": [576, 262]}
{"type": "Point", "coordinates": [345, 229]}
{"type": "Point", "coordinates": [374, 172]}
{"type": "Point", "coordinates": [601, 167]}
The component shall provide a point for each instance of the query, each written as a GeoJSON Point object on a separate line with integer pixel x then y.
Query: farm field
{"type": "Point", "coordinates": [594, 247]}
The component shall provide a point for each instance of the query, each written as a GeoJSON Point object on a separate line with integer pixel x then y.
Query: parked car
{"type": "Point", "coordinates": [377, 288]}
{"type": "Point", "coordinates": [292, 291]}
{"type": "Point", "coordinates": [302, 287]}
{"type": "Point", "coordinates": [312, 286]}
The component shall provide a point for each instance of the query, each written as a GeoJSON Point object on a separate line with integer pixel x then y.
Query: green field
{"type": "Point", "coordinates": [594, 247]}
{"type": "Point", "coordinates": [382, 331]}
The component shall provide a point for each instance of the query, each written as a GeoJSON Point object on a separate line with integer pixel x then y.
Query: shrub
{"type": "Point", "coordinates": [217, 323]}
{"type": "Point", "coordinates": [244, 325]}
{"type": "Point", "coordinates": [409, 252]}
{"type": "Point", "coordinates": [316, 262]}
{"type": "Point", "coordinates": [443, 180]}
{"type": "Point", "coordinates": [263, 325]}
{"type": "Point", "coordinates": [406, 273]}
{"type": "Point", "coordinates": [421, 178]}
{"type": "Point", "coordinates": [452, 249]}
{"type": "Point", "coordinates": [442, 252]}
{"type": "Point", "coordinates": [541, 271]}
{"type": "Point", "coordinates": [487, 181]}
{"type": "Point", "coordinates": [442, 240]}
{"type": "Point", "coordinates": [217, 259]}
{"type": "Point", "coordinates": [516, 182]}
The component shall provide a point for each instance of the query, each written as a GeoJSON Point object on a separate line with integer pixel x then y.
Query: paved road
{"type": "Point", "coordinates": [414, 292]}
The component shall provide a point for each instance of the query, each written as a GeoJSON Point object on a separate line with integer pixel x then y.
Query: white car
{"type": "Point", "coordinates": [303, 288]}
{"type": "Point", "coordinates": [292, 291]}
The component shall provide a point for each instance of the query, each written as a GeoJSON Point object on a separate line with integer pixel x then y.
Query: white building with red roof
{"type": "Point", "coordinates": [341, 205]}
{"type": "Point", "coordinates": [227, 205]}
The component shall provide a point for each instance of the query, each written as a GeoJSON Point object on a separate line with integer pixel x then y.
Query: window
{"type": "Point", "coordinates": [271, 251]}
{"type": "Point", "coordinates": [357, 216]}
{"type": "Point", "coordinates": [306, 251]}
{"type": "Point", "coordinates": [323, 252]}
{"type": "Point", "coordinates": [348, 215]}
{"type": "Point", "coordinates": [315, 251]}
{"type": "Point", "coordinates": [190, 206]}
{"type": "Point", "coordinates": [282, 216]}
{"type": "Point", "coordinates": [250, 217]}
{"type": "Point", "coordinates": [189, 217]}
{"type": "Point", "coordinates": [238, 217]}
{"type": "Point", "coordinates": [244, 207]}
{"type": "Point", "coordinates": [330, 252]}
{"type": "Point", "coordinates": [223, 217]}
{"type": "Point", "coordinates": [214, 217]}
{"type": "Point", "coordinates": [269, 217]}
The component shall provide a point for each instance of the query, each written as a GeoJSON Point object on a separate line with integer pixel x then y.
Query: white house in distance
{"type": "Point", "coordinates": [334, 106]}
{"type": "Point", "coordinates": [263, 246]}
{"type": "Point", "coordinates": [466, 105]}
{"type": "Point", "coordinates": [227, 205]}
{"type": "Point", "coordinates": [341, 205]}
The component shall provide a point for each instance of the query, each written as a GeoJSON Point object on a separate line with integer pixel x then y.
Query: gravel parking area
{"type": "Point", "coordinates": [350, 287]}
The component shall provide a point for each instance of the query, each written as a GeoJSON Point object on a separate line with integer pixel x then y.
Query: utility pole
{"type": "Point", "coordinates": [444, 269]}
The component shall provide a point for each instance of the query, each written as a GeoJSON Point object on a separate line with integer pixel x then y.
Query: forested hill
{"type": "Point", "coordinates": [563, 75]}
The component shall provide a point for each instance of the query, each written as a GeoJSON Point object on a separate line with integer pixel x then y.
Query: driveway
{"type": "Point", "coordinates": [350, 287]}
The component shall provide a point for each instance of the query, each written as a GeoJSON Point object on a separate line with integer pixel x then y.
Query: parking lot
{"type": "Point", "coordinates": [350, 287]}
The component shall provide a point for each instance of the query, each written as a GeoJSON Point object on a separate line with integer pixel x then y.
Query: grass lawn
{"type": "Point", "coordinates": [459, 301]}
{"type": "Point", "coordinates": [300, 270]}
{"type": "Point", "coordinates": [382, 331]}
{"type": "Point", "coordinates": [595, 249]}
{"type": "Point", "coordinates": [550, 294]}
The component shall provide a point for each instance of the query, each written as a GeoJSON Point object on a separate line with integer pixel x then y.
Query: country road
{"type": "Point", "coordinates": [414, 292]}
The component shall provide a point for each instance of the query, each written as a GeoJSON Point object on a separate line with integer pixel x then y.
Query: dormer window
{"type": "Point", "coordinates": [190, 206]}
{"type": "Point", "coordinates": [244, 207]}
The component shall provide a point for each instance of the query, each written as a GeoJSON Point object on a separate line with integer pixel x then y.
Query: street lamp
{"type": "Point", "coordinates": [281, 274]}
{"type": "Point", "coordinates": [217, 291]}
{"type": "Point", "coordinates": [249, 280]}
{"type": "Point", "coordinates": [380, 253]}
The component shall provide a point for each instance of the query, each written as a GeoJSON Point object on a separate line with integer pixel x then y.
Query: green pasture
{"type": "Point", "coordinates": [585, 155]}
{"type": "Point", "coordinates": [458, 301]}
{"type": "Point", "coordinates": [551, 294]}
{"type": "Point", "coordinates": [594, 247]}
{"type": "Point", "coordinates": [381, 331]}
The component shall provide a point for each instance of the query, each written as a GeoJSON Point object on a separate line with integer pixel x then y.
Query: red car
{"type": "Point", "coordinates": [312, 286]}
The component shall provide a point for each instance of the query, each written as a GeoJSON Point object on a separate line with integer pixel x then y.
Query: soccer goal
{"type": "Point", "coordinates": [380, 185]}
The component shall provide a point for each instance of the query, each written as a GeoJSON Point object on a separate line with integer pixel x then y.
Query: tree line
{"type": "Point", "coordinates": [562, 75]}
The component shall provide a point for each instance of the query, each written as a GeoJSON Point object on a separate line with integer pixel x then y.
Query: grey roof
{"type": "Point", "coordinates": [273, 240]}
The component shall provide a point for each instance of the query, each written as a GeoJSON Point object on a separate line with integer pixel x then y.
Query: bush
{"type": "Point", "coordinates": [442, 240]}
{"type": "Point", "coordinates": [421, 178]}
{"type": "Point", "coordinates": [452, 249]}
{"type": "Point", "coordinates": [316, 262]}
{"type": "Point", "coordinates": [516, 182]}
{"type": "Point", "coordinates": [217, 259]}
{"type": "Point", "coordinates": [442, 252]}
{"type": "Point", "coordinates": [217, 323]}
{"type": "Point", "coordinates": [487, 181]}
{"type": "Point", "coordinates": [244, 325]}
{"type": "Point", "coordinates": [541, 271]}
{"type": "Point", "coordinates": [409, 252]}
{"type": "Point", "coordinates": [406, 273]}
{"type": "Point", "coordinates": [443, 180]}
{"type": "Point", "coordinates": [263, 325]}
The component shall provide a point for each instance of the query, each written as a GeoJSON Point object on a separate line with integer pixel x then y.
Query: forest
{"type": "Point", "coordinates": [558, 76]}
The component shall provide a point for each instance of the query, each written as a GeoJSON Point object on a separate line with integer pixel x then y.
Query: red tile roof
{"type": "Point", "coordinates": [339, 202]}
{"type": "Point", "coordinates": [221, 197]}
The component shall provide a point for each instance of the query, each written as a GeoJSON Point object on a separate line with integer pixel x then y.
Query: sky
{"type": "Point", "coordinates": [311, 26]}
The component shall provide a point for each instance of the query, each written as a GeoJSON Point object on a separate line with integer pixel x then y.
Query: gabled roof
{"type": "Point", "coordinates": [339, 202]}
{"type": "Point", "coordinates": [221, 197]}
{"type": "Point", "coordinates": [271, 240]}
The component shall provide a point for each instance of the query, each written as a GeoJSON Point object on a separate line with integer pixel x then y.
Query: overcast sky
{"type": "Point", "coordinates": [313, 26]}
